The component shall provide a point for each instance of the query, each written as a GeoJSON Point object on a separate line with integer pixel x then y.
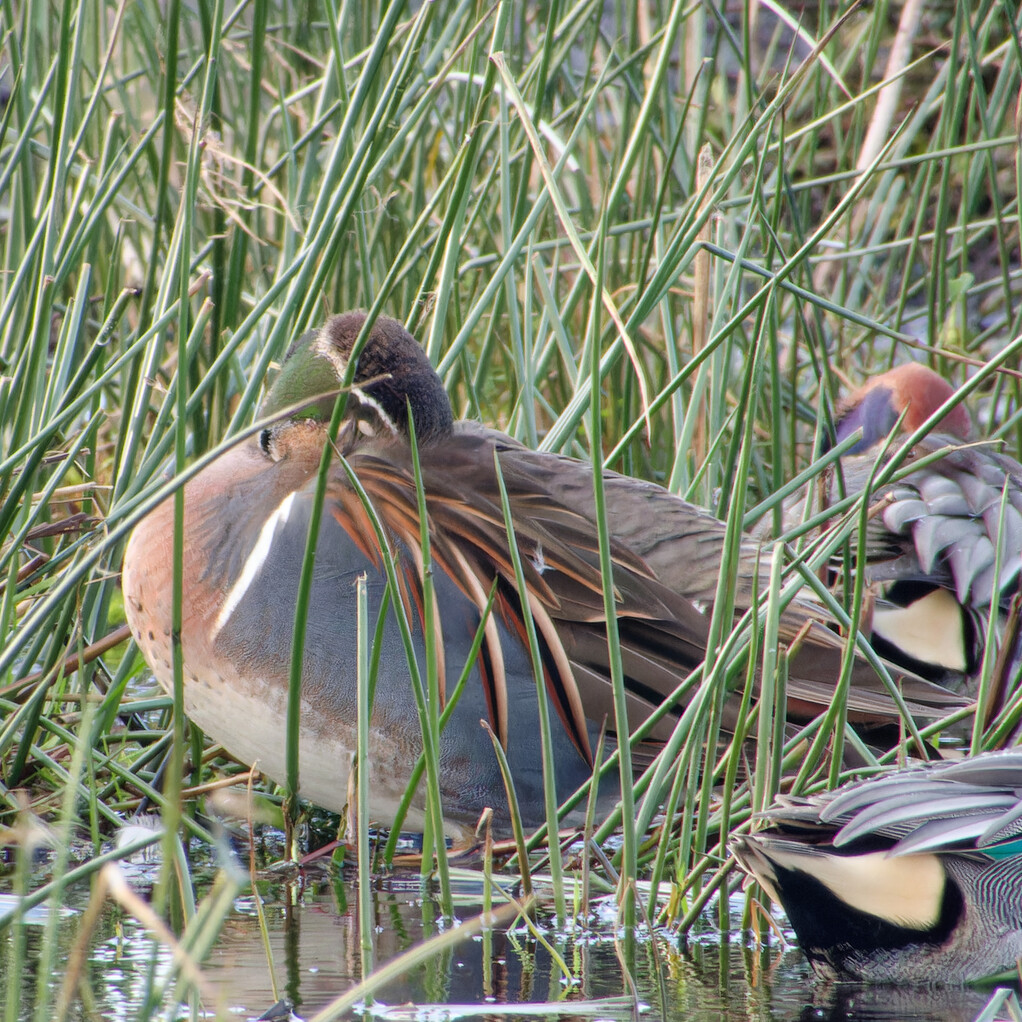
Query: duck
{"type": "Point", "coordinates": [246, 521]}
{"type": "Point", "coordinates": [937, 565]}
{"type": "Point", "coordinates": [912, 876]}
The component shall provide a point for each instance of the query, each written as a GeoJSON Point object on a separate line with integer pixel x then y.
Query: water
{"type": "Point", "coordinates": [315, 953]}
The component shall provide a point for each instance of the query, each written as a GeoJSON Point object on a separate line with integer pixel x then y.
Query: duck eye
{"type": "Point", "coordinates": [265, 441]}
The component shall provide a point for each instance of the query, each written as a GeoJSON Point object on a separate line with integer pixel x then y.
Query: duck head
{"type": "Point", "coordinates": [392, 374]}
{"type": "Point", "coordinates": [913, 390]}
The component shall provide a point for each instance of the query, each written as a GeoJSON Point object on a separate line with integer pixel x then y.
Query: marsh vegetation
{"type": "Point", "coordinates": [665, 237]}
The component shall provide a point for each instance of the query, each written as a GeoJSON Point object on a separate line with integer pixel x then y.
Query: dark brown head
{"type": "Point", "coordinates": [393, 374]}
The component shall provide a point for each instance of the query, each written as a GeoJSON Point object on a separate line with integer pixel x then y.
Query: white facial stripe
{"type": "Point", "coordinates": [326, 350]}
{"type": "Point", "coordinates": [253, 564]}
{"type": "Point", "coordinates": [371, 402]}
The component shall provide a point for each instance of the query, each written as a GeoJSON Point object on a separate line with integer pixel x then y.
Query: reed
{"type": "Point", "coordinates": [556, 205]}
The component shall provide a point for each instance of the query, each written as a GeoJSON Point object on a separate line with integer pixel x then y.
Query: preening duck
{"type": "Point", "coordinates": [939, 555]}
{"type": "Point", "coordinates": [246, 521]}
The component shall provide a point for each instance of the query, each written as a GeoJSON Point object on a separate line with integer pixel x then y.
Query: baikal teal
{"type": "Point", "coordinates": [246, 523]}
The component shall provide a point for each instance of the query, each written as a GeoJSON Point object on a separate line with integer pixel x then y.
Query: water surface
{"type": "Point", "coordinates": [314, 956]}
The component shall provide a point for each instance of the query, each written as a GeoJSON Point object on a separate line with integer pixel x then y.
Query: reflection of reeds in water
{"type": "Point", "coordinates": [534, 219]}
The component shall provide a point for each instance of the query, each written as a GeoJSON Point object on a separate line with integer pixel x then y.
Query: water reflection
{"type": "Point", "coordinates": [314, 949]}
{"type": "Point", "coordinates": [314, 943]}
{"type": "Point", "coordinates": [850, 1001]}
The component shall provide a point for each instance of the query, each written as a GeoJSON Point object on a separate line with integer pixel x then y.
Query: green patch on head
{"type": "Point", "coordinates": [307, 373]}
{"type": "Point", "coordinates": [392, 375]}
